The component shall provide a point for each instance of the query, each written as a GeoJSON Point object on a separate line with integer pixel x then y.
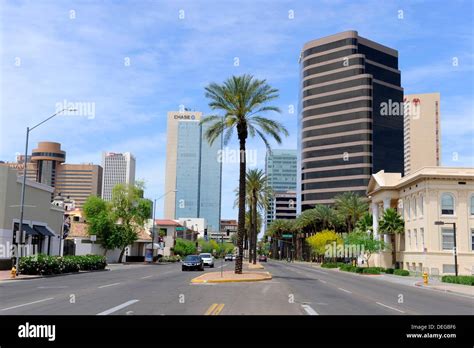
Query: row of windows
{"type": "Point", "coordinates": [365, 92]}
{"type": "Point", "coordinates": [329, 46]}
{"type": "Point", "coordinates": [337, 140]}
{"type": "Point", "coordinates": [327, 195]}
{"type": "Point", "coordinates": [333, 66]}
{"type": "Point", "coordinates": [335, 184]}
{"type": "Point", "coordinates": [337, 151]}
{"type": "Point", "coordinates": [448, 204]}
{"type": "Point", "coordinates": [382, 74]}
{"type": "Point", "coordinates": [330, 56]}
{"type": "Point", "coordinates": [378, 56]}
{"type": "Point", "coordinates": [337, 118]}
{"type": "Point", "coordinates": [336, 173]}
{"type": "Point", "coordinates": [337, 86]}
{"type": "Point", "coordinates": [337, 162]}
{"type": "Point", "coordinates": [337, 129]}
{"type": "Point", "coordinates": [339, 107]}
{"type": "Point", "coordinates": [419, 240]}
{"type": "Point", "coordinates": [333, 77]}
{"type": "Point", "coordinates": [48, 154]}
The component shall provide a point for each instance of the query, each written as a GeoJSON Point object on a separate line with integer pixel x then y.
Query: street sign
{"type": "Point", "coordinates": [287, 236]}
{"type": "Point", "coordinates": [179, 228]}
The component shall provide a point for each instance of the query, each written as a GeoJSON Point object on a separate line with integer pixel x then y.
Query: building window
{"type": "Point", "coordinates": [421, 205]}
{"type": "Point", "coordinates": [447, 204]}
{"type": "Point", "coordinates": [472, 239]}
{"type": "Point", "coordinates": [409, 240]}
{"type": "Point", "coordinates": [448, 268]}
{"type": "Point", "coordinates": [414, 208]}
{"type": "Point", "coordinates": [447, 237]}
{"type": "Point", "coordinates": [408, 209]}
{"type": "Point", "coordinates": [472, 204]}
{"type": "Point", "coordinates": [422, 236]}
{"type": "Point", "coordinates": [415, 236]}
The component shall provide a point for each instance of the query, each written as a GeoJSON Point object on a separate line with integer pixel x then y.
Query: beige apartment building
{"type": "Point", "coordinates": [422, 131]}
{"type": "Point", "coordinates": [42, 220]}
{"type": "Point", "coordinates": [74, 181]}
{"type": "Point", "coordinates": [173, 119]}
{"type": "Point", "coordinates": [427, 195]}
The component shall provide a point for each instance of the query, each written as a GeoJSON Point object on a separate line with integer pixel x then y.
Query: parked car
{"type": "Point", "coordinates": [192, 262]}
{"type": "Point", "coordinates": [262, 258]}
{"type": "Point", "coordinates": [229, 257]}
{"type": "Point", "coordinates": [207, 259]}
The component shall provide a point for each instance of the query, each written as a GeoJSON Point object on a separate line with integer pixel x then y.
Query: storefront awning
{"type": "Point", "coordinates": [29, 231]}
{"type": "Point", "coordinates": [43, 230]}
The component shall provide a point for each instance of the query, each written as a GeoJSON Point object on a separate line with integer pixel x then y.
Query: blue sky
{"type": "Point", "coordinates": [53, 51]}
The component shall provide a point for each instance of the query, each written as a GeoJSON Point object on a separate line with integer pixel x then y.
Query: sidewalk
{"type": "Point", "coordinates": [6, 275]}
{"type": "Point", "coordinates": [448, 287]}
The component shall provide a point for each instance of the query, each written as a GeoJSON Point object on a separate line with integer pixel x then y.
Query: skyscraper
{"type": "Point", "coordinates": [351, 116]}
{"type": "Point", "coordinates": [193, 171]}
{"type": "Point", "coordinates": [422, 131]}
{"type": "Point", "coordinates": [119, 168]}
{"type": "Point", "coordinates": [281, 172]}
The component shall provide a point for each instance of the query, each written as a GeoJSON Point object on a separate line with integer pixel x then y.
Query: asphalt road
{"type": "Point", "coordinates": [166, 290]}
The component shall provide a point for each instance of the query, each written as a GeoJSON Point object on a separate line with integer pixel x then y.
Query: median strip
{"type": "Point", "coordinates": [231, 277]}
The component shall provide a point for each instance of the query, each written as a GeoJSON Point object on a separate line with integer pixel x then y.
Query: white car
{"type": "Point", "coordinates": [207, 259]}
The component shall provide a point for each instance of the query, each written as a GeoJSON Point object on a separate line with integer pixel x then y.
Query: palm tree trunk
{"type": "Point", "coordinates": [241, 223]}
{"type": "Point", "coordinates": [254, 236]}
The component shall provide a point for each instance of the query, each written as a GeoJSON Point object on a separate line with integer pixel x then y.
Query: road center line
{"type": "Point", "coordinates": [146, 277]}
{"type": "Point", "coordinates": [322, 281]}
{"type": "Point", "coordinates": [29, 303]}
{"type": "Point", "coordinates": [309, 310]}
{"type": "Point", "coordinates": [384, 305]}
{"type": "Point", "coordinates": [105, 286]}
{"type": "Point", "coordinates": [117, 308]}
{"type": "Point", "coordinates": [349, 292]}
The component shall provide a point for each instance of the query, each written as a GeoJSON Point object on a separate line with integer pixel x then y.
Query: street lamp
{"type": "Point", "coordinates": [22, 198]}
{"type": "Point", "coordinates": [153, 223]}
{"type": "Point", "coordinates": [441, 223]}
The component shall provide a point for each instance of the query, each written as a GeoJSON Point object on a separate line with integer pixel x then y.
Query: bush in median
{"type": "Point", "coordinates": [401, 272]}
{"type": "Point", "coordinates": [464, 280]}
{"type": "Point", "coordinates": [45, 265]}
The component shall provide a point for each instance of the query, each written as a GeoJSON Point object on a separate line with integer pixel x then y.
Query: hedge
{"type": "Point", "coordinates": [42, 264]}
{"type": "Point", "coordinates": [401, 272]}
{"type": "Point", "coordinates": [389, 270]}
{"type": "Point", "coordinates": [465, 280]}
{"type": "Point", "coordinates": [371, 270]}
{"type": "Point", "coordinates": [332, 264]}
{"type": "Point", "coordinates": [169, 259]}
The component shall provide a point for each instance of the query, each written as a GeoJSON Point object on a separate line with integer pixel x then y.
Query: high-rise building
{"type": "Point", "coordinates": [281, 172]}
{"type": "Point", "coordinates": [283, 206]}
{"type": "Point", "coordinates": [351, 116]}
{"type": "Point", "coordinates": [74, 182]}
{"type": "Point", "coordinates": [193, 170]}
{"type": "Point", "coordinates": [119, 168]}
{"type": "Point", "coordinates": [422, 131]}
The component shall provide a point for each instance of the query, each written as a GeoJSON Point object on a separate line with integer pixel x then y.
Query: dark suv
{"type": "Point", "coordinates": [192, 262]}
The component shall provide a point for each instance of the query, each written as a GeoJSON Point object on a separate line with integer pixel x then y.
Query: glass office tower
{"type": "Point", "coordinates": [345, 132]}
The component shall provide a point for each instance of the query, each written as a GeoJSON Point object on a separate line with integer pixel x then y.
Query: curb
{"type": "Point", "coordinates": [55, 275]}
{"type": "Point", "coordinates": [421, 285]}
{"type": "Point", "coordinates": [196, 280]}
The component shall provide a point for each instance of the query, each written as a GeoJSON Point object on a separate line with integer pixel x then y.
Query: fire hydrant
{"type": "Point", "coordinates": [425, 278]}
{"type": "Point", "coordinates": [13, 272]}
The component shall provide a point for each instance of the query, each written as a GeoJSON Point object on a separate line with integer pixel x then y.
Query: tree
{"type": "Point", "coordinates": [100, 222]}
{"type": "Point", "coordinates": [130, 211]}
{"type": "Point", "coordinates": [320, 242]}
{"type": "Point", "coordinates": [391, 223]}
{"type": "Point", "coordinates": [276, 229]}
{"type": "Point", "coordinates": [350, 207]}
{"type": "Point", "coordinates": [243, 100]}
{"type": "Point", "coordinates": [258, 193]}
{"type": "Point", "coordinates": [365, 223]}
{"type": "Point", "coordinates": [184, 247]}
{"type": "Point", "coordinates": [364, 243]}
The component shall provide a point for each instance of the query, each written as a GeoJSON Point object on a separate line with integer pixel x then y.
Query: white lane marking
{"type": "Point", "coordinates": [349, 292]}
{"type": "Point", "coordinates": [146, 277]}
{"type": "Point", "coordinates": [319, 271]}
{"type": "Point", "coordinates": [52, 287]}
{"type": "Point", "coordinates": [117, 308]}
{"type": "Point", "coordinates": [309, 310]}
{"type": "Point", "coordinates": [384, 305]}
{"type": "Point", "coordinates": [29, 303]}
{"type": "Point", "coordinates": [322, 281]}
{"type": "Point", "coordinates": [265, 289]}
{"type": "Point", "coordinates": [105, 286]}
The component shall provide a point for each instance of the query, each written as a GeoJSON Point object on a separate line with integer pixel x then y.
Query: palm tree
{"type": "Point", "coordinates": [365, 223]}
{"type": "Point", "coordinates": [350, 207]}
{"type": "Point", "coordinates": [242, 99]}
{"type": "Point", "coordinates": [276, 229]}
{"type": "Point", "coordinates": [258, 193]}
{"type": "Point", "coordinates": [391, 223]}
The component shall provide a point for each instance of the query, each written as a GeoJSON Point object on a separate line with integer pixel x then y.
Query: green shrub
{"type": "Point", "coordinates": [359, 270]}
{"type": "Point", "coordinates": [401, 272]}
{"type": "Point", "coordinates": [389, 270]}
{"type": "Point", "coordinates": [169, 259]}
{"type": "Point", "coordinates": [42, 264]}
{"type": "Point", "coordinates": [184, 247]}
{"type": "Point", "coordinates": [465, 280]}
{"type": "Point", "coordinates": [371, 270]}
{"type": "Point", "coordinates": [332, 264]}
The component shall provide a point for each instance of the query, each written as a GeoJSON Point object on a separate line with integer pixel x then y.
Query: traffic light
{"type": "Point", "coordinates": [228, 232]}
{"type": "Point", "coordinates": [205, 232]}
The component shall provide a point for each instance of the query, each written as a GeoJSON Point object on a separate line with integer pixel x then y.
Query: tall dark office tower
{"type": "Point", "coordinates": [351, 116]}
